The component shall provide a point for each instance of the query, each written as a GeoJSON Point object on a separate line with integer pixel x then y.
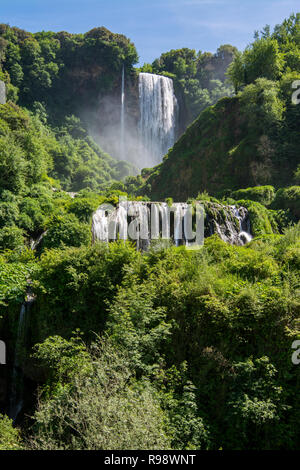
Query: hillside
{"type": "Point", "coordinates": [223, 150]}
{"type": "Point", "coordinates": [249, 140]}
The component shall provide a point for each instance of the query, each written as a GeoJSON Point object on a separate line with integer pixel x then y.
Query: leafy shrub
{"type": "Point", "coordinates": [262, 221]}
{"type": "Point", "coordinates": [262, 194]}
{"type": "Point", "coordinates": [68, 231]}
{"type": "Point", "coordinates": [9, 436]}
{"type": "Point", "coordinates": [11, 238]}
{"type": "Point", "coordinates": [289, 199]}
{"type": "Point", "coordinates": [100, 406]}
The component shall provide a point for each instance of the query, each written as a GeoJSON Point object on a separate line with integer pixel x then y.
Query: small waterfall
{"type": "Point", "coordinates": [230, 223]}
{"type": "Point", "coordinates": [244, 224]}
{"type": "Point", "coordinates": [158, 117]}
{"type": "Point", "coordinates": [17, 397]}
{"type": "Point", "coordinates": [117, 224]}
{"type": "Point", "coordinates": [34, 243]}
{"type": "Point", "coordinates": [122, 140]}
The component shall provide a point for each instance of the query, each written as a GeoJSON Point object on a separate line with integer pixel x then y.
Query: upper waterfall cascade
{"type": "Point", "coordinates": [158, 117]}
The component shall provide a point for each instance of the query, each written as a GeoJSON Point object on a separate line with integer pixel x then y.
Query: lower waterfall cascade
{"type": "Point", "coordinates": [133, 219]}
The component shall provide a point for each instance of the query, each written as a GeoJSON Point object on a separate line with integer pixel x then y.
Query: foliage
{"type": "Point", "coordinates": [288, 198]}
{"type": "Point", "coordinates": [67, 231]}
{"type": "Point", "coordinates": [9, 436]}
{"type": "Point", "coordinates": [246, 141]}
{"type": "Point", "coordinates": [101, 407]}
{"type": "Point", "coordinates": [262, 194]}
{"type": "Point", "coordinates": [211, 331]}
{"type": "Point", "coordinates": [171, 348]}
{"type": "Point", "coordinates": [44, 66]}
{"type": "Point", "coordinates": [199, 78]}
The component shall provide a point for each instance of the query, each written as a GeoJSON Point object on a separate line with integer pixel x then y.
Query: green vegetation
{"type": "Point", "coordinates": [263, 194]}
{"type": "Point", "coordinates": [170, 348]}
{"type": "Point", "coordinates": [64, 71]}
{"type": "Point", "coordinates": [198, 345]}
{"type": "Point", "coordinates": [97, 402]}
{"type": "Point", "coordinates": [289, 198]}
{"type": "Point", "coordinates": [249, 140]}
{"type": "Point", "coordinates": [9, 436]}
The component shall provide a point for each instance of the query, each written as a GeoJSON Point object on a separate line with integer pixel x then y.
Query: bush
{"type": "Point", "coordinates": [68, 231]}
{"type": "Point", "coordinates": [99, 406]}
{"type": "Point", "coordinates": [9, 436]}
{"type": "Point", "coordinates": [262, 221]}
{"type": "Point", "coordinates": [11, 238]}
{"type": "Point", "coordinates": [289, 199]}
{"type": "Point", "coordinates": [262, 194]}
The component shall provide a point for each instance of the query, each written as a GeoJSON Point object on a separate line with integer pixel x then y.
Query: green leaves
{"type": "Point", "coordinates": [13, 281]}
{"type": "Point", "coordinates": [9, 436]}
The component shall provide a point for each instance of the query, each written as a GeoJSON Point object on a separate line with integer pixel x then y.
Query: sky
{"type": "Point", "coordinates": [155, 26]}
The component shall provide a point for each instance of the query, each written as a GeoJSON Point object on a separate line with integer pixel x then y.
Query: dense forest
{"type": "Point", "coordinates": [169, 348]}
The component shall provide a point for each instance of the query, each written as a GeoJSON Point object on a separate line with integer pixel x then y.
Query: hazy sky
{"type": "Point", "coordinates": [155, 26]}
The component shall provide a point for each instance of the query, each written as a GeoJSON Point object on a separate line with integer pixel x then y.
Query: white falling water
{"type": "Point", "coordinates": [180, 210]}
{"type": "Point", "coordinates": [100, 226]}
{"type": "Point", "coordinates": [122, 141]}
{"type": "Point", "coordinates": [139, 218]}
{"type": "Point", "coordinates": [16, 397]}
{"type": "Point", "coordinates": [145, 221]}
{"type": "Point", "coordinates": [16, 401]}
{"type": "Point", "coordinates": [244, 224]}
{"type": "Point", "coordinates": [160, 220]}
{"type": "Point", "coordinates": [118, 223]}
{"type": "Point", "coordinates": [158, 117]}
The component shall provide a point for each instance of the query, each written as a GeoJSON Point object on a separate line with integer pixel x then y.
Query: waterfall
{"type": "Point", "coordinates": [122, 140]}
{"type": "Point", "coordinates": [145, 221]}
{"type": "Point", "coordinates": [160, 220]}
{"type": "Point", "coordinates": [34, 243]}
{"type": "Point", "coordinates": [244, 224]}
{"type": "Point", "coordinates": [16, 396]}
{"type": "Point", "coordinates": [158, 117]}
{"type": "Point", "coordinates": [118, 223]}
{"type": "Point", "coordinates": [139, 224]}
{"type": "Point", "coordinates": [180, 210]}
{"type": "Point", "coordinates": [100, 226]}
